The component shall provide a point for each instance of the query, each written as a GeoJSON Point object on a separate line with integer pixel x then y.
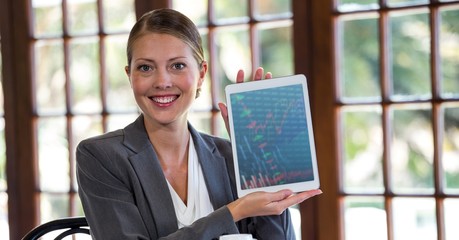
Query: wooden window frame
{"type": "Point", "coordinates": [317, 49]}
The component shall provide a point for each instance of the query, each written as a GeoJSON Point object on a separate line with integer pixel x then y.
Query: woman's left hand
{"type": "Point", "coordinates": [267, 203]}
{"type": "Point", "coordinates": [239, 79]}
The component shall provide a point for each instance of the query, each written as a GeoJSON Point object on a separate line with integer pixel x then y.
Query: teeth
{"type": "Point", "coordinates": [167, 99]}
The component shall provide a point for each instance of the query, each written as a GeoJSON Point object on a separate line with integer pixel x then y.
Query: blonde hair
{"type": "Point", "coordinates": [167, 21]}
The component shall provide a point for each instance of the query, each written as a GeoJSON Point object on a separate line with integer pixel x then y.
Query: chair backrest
{"type": "Point", "coordinates": [70, 225]}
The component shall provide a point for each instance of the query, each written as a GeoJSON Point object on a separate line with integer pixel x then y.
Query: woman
{"type": "Point", "coordinates": [159, 178]}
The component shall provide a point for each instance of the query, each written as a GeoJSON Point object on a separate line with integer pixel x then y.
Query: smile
{"type": "Point", "coordinates": [164, 99]}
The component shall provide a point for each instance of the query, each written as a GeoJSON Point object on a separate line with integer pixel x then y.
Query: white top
{"type": "Point", "coordinates": [198, 200]}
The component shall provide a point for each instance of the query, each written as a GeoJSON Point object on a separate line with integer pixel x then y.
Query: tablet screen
{"type": "Point", "coordinates": [272, 136]}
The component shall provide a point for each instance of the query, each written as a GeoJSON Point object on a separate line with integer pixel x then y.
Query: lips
{"type": "Point", "coordinates": [164, 99]}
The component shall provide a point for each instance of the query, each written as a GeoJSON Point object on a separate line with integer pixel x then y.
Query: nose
{"type": "Point", "coordinates": [162, 80]}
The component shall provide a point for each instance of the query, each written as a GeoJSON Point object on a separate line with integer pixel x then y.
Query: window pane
{"type": "Point", "coordinates": [85, 75]}
{"type": "Point", "coordinates": [359, 60]}
{"type": "Point", "coordinates": [397, 3]}
{"type": "Point", "coordinates": [53, 155]}
{"type": "Point", "coordinates": [53, 206]}
{"type": "Point", "coordinates": [82, 16]}
{"type": "Point", "coordinates": [197, 11]}
{"type": "Point", "coordinates": [119, 16]}
{"type": "Point", "coordinates": [118, 121]}
{"type": "Point", "coordinates": [276, 50]}
{"type": "Point", "coordinates": [50, 77]}
{"type": "Point", "coordinates": [363, 148]}
{"type": "Point", "coordinates": [451, 149]}
{"type": "Point", "coordinates": [231, 10]}
{"type": "Point", "coordinates": [354, 5]}
{"type": "Point", "coordinates": [449, 52]}
{"type": "Point", "coordinates": [414, 218]}
{"type": "Point", "coordinates": [119, 93]}
{"type": "Point", "coordinates": [268, 8]}
{"type": "Point", "coordinates": [47, 17]}
{"type": "Point", "coordinates": [4, 225]}
{"type": "Point", "coordinates": [365, 218]}
{"type": "Point", "coordinates": [412, 151]}
{"type": "Point", "coordinates": [232, 43]}
{"type": "Point", "coordinates": [410, 55]}
{"type": "Point", "coordinates": [86, 126]}
{"type": "Point", "coordinates": [201, 121]}
{"type": "Point", "coordinates": [451, 218]}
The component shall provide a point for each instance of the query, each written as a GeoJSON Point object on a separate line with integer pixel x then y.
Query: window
{"type": "Point", "coordinates": [81, 89]}
{"type": "Point", "coordinates": [238, 34]}
{"type": "Point", "coordinates": [397, 92]}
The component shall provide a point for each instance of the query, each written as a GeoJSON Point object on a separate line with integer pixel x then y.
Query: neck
{"type": "Point", "coordinates": [170, 143]}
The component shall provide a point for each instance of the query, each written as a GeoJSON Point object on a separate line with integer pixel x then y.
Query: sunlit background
{"type": "Point", "coordinates": [82, 91]}
{"type": "Point", "coordinates": [411, 141]}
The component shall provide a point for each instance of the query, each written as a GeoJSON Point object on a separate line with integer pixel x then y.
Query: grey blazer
{"type": "Point", "coordinates": [125, 195]}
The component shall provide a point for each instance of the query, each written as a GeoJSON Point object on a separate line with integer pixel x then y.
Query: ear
{"type": "Point", "coordinates": [202, 73]}
{"type": "Point", "coordinates": [128, 73]}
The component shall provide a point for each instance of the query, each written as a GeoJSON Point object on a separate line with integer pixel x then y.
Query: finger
{"type": "Point", "coordinates": [224, 113]}
{"type": "Point", "coordinates": [268, 75]}
{"type": "Point", "coordinates": [296, 199]}
{"type": "Point", "coordinates": [258, 74]}
{"type": "Point", "coordinates": [223, 110]}
{"type": "Point", "coordinates": [300, 197]}
{"type": "Point", "coordinates": [240, 76]}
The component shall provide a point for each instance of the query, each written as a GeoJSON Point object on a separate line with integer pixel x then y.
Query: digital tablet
{"type": "Point", "coordinates": [271, 135]}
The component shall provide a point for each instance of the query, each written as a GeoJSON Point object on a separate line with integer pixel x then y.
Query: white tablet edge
{"type": "Point", "coordinates": [270, 83]}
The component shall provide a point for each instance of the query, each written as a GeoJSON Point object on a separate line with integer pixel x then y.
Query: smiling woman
{"type": "Point", "coordinates": [132, 181]}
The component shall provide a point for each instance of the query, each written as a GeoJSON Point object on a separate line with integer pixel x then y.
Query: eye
{"type": "Point", "coordinates": [144, 68]}
{"type": "Point", "coordinates": [178, 66]}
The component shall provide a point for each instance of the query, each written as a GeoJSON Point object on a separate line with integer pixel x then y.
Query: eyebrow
{"type": "Point", "coordinates": [153, 61]}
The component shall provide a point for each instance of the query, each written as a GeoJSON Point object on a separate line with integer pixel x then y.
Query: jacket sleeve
{"type": "Point", "coordinates": [113, 212]}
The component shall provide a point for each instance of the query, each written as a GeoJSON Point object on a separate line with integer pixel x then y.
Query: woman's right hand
{"type": "Point", "coordinates": [265, 203]}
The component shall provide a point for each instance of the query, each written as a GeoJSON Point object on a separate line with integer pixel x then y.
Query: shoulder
{"type": "Point", "coordinates": [133, 136]}
{"type": "Point", "coordinates": [103, 148]}
{"type": "Point", "coordinates": [106, 139]}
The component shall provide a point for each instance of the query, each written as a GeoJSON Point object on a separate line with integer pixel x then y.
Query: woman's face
{"type": "Point", "coordinates": [164, 77]}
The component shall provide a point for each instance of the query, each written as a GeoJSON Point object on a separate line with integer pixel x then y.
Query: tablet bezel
{"type": "Point", "coordinates": [268, 84]}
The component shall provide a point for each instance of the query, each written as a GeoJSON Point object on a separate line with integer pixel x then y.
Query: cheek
{"type": "Point", "coordinates": [138, 86]}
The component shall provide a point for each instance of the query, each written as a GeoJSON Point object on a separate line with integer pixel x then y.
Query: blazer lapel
{"type": "Point", "coordinates": [151, 177]}
{"type": "Point", "coordinates": [214, 169]}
